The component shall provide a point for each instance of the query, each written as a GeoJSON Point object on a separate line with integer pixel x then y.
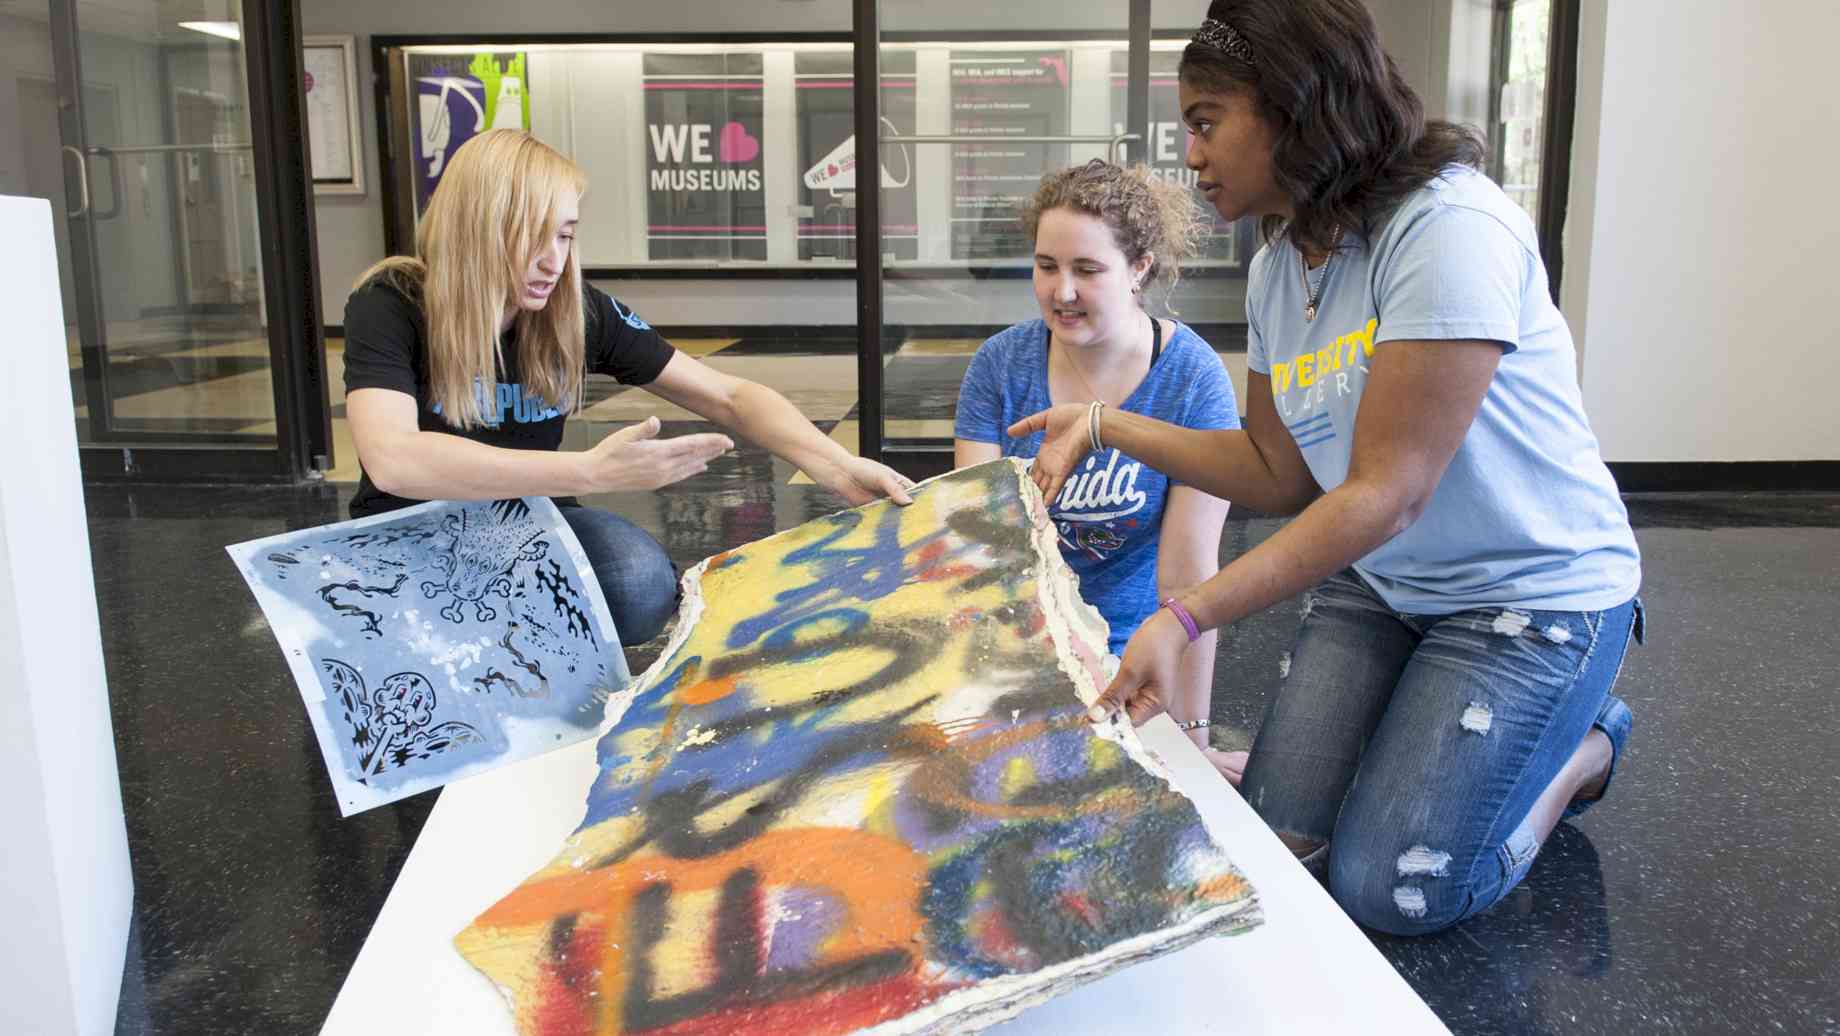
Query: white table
{"type": "Point", "coordinates": [1306, 969]}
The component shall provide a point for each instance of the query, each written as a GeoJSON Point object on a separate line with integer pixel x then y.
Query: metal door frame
{"type": "Point", "coordinates": [866, 91]}
{"type": "Point", "coordinates": [284, 207]}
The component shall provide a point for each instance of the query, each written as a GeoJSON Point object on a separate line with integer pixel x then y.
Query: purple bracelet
{"type": "Point", "coordinates": [1182, 616]}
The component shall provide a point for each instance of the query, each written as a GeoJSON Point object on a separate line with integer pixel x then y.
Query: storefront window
{"type": "Point", "coordinates": [737, 157]}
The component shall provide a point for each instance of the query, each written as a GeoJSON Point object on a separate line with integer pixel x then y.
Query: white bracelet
{"type": "Point", "coordinates": [1092, 425]}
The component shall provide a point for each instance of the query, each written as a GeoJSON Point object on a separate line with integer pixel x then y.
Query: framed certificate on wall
{"type": "Point", "coordinates": [335, 152]}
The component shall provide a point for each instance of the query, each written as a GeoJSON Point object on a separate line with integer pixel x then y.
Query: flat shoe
{"type": "Point", "coordinates": [1615, 720]}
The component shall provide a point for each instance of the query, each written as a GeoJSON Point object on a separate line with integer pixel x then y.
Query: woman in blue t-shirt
{"type": "Point", "coordinates": [1103, 233]}
{"type": "Point", "coordinates": [1468, 567]}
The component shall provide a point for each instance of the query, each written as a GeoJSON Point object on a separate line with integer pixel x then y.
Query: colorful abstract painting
{"type": "Point", "coordinates": [858, 792]}
{"type": "Point", "coordinates": [438, 641]}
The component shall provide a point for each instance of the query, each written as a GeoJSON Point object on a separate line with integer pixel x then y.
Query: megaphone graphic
{"type": "Point", "coordinates": [437, 127]}
{"type": "Point", "coordinates": [836, 172]}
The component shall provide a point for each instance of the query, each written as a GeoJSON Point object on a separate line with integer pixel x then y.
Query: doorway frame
{"type": "Point", "coordinates": [283, 190]}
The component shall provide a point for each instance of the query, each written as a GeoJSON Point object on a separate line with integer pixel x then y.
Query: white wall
{"type": "Point", "coordinates": [351, 228]}
{"type": "Point", "coordinates": [66, 890]}
{"type": "Point", "coordinates": [1700, 229]}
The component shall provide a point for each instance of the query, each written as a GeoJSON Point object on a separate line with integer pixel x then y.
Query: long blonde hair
{"type": "Point", "coordinates": [493, 210]}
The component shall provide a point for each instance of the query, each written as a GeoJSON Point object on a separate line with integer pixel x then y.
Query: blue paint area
{"type": "Point", "coordinates": [1049, 891]}
{"type": "Point", "coordinates": [786, 638]}
{"type": "Point", "coordinates": [755, 746]}
{"type": "Point", "coordinates": [647, 709]}
{"type": "Point", "coordinates": [854, 575]}
{"type": "Point", "coordinates": [945, 905]}
{"type": "Point", "coordinates": [761, 754]}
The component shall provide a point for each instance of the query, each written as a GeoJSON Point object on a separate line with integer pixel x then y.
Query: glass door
{"type": "Point", "coordinates": [141, 117]}
{"type": "Point", "coordinates": [1521, 82]}
{"type": "Point", "coordinates": [971, 108]}
{"type": "Point", "coordinates": [1535, 89]}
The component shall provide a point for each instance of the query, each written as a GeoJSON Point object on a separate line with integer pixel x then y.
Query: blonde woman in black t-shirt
{"type": "Point", "coordinates": [463, 361]}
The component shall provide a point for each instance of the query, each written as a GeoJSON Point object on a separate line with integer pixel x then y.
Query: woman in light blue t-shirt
{"type": "Point", "coordinates": [1468, 571]}
{"type": "Point", "coordinates": [1102, 233]}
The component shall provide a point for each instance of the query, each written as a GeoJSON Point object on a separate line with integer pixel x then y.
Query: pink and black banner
{"type": "Point", "coordinates": [829, 181]}
{"type": "Point", "coordinates": [704, 193]}
{"type": "Point", "coordinates": [1002, 94]}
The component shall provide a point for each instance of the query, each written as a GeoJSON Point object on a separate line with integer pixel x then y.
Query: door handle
{"type": "Point", "coordinates": [82, 183]}
{"type": "Point", "coordinates": [114, 208]}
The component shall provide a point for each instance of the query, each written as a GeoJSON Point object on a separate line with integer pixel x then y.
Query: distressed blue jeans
{"type": "Point", "coordinates": [1415, 746]}
{"type": "Point", "coordinates": [636, 576]}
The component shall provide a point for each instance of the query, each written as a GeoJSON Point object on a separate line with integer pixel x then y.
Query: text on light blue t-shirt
{"type": "Point", "coordinates": [1526, 515]}
{"type": "Point", "coordinates": [1110, 513]}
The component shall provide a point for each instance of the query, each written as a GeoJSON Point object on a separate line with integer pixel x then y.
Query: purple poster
{"type": "Point", "coordinates": [457, 97]}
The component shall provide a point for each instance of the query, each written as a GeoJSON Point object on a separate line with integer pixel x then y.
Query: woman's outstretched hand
{"type": "Point", "coordinates": [1066, 444]}
{"type": "Point", "coordinates": [1147, 673]}
{"type": "Point", "coordinates": [860, 480]}
{"type": "Point", "coordinates": [635, 458]}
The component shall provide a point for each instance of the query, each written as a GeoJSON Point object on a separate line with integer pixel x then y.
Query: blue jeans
{"type": "Point", "coordinates": [1415, 746]}
{"type": "Point", "coordinates": [636, 576]}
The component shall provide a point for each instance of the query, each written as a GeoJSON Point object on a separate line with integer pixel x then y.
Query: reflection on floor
{"type": "Point", "coordinates": [224, 388]}
{"type": "Point", "coordinates": [1701, 897]}
{"type": "Point", "coordinates": [189, 375]}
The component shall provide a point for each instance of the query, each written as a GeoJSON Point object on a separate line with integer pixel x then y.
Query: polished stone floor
{"type": "Point", "coordinates": [1704, 896]}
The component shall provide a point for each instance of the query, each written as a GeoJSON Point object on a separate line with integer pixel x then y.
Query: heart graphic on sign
{"type": "Point", "coordinates": [737, 145]}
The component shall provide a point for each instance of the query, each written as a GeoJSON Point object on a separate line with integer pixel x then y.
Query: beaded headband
{"type": "Point", "coordinates": [1218, 35]}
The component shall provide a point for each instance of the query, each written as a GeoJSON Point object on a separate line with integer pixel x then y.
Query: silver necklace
{"type": "Point", "coordinates": [1313, 295]}
{"type": "Point", "coordinates": [1087, 385]}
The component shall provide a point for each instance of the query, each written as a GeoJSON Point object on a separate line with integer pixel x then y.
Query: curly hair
{"type": "Point", "coordinates": [1351, 140]}
{"type": "Point", "coordinates": [1147, 215]}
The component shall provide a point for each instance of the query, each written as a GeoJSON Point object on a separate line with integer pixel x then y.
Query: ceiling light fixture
{"type": "Point", "coordinates": [227, 30]}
